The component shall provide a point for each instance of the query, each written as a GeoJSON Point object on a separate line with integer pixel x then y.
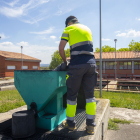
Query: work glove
{"type": "Point", "coordinates": [62, 67]}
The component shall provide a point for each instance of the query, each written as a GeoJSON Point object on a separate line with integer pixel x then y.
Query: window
{"type": "Point", "coordinates": [136, 65]}
{"type": "Point", "coordinates": [129, 66]}
{"type": "Point", "coordinates": [107, 65]}
{"type": "Point", "coordinates": [110, 65]}
{"type": "Point", "coordinates": [98, 65]}
{"type": "Point", "coordinates": [125, 65]}
{"type": "Point", "coordinates": [11, 67]}
{"type": "Point", "coordinates": [24, 67]}
{"type": "Point", "coordinates": [121, 66]}
{"type": "Point", "coordinates": [35, 67]}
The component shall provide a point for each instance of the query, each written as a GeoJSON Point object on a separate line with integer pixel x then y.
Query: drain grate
{"type": "Point", "coordinates": [80, 117]}
{"type": "Point", "coordinates": [41, 134]}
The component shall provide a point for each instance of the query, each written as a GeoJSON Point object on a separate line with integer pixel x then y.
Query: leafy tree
{"type": "Point", "coordinates": [56, 58]}
{"type": "Point", "coordinates": [105, 48]}
{"type": "Point", "coordinates": [134, 46]}
{"type": "Point", "coordinates": [123, 49]}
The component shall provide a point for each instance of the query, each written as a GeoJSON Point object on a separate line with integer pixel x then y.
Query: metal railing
{"type": "Point", "coordinates": [119, 76]}
{"type": "Point", "coordinates": [120, 86]}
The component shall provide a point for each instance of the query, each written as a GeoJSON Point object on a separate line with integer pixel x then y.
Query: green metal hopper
{"type": "Point", "coordinates": [46, 90]}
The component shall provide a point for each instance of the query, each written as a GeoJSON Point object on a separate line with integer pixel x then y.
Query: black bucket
{"type": "Point", "coordinates": [23, 124]}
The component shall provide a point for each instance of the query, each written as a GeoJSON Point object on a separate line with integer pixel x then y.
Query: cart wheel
{"type": "Point", "coordinates": [23, 124]}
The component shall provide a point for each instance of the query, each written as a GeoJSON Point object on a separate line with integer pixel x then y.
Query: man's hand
{"type": "Point", "coordinates": [61, 50]}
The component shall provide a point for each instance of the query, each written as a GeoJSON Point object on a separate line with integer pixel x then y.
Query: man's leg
{"type": "Point", "coordinates": [88, 85]}
{"type": "Point", "coordinates": [73, 82]}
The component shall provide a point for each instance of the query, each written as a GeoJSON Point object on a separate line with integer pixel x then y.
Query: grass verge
{"type": "Point", "coordinates": [113, 123]}
{"type": "Point", "coordinates": [10, 99]}
{"type": "Point", "coordinates": [124, 100]}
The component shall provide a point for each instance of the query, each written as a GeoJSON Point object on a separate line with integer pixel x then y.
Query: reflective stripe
{"type": "Point", "coordinates": [91, 108]}
{"type": "Point", "coordinates": [65, 35]}
{"type": "Point", "coordinates": [81, 52]}
{"type": "Point", "coordinates": [71, 102]}
{"type": "Point", "coordinates": [90, 100]}
{"type": "Point", "coordinates": [67, 76]}
{"type": "Point", "coordinates": [70, 110]}
{"type": "Point", "coordinates": [70, 118]}
{"type": "Point", "coordinates": [81, 43]}
{"type": "Point", "coordinates": [90, 116]}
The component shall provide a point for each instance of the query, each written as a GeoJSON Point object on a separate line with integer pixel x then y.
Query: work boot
{"type": "Point", "coordinates": [90, 130]}
{"type": "Point", "coordinates": [65, 125]}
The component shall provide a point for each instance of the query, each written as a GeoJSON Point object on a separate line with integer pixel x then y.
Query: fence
{"type": "Point", "coordinates": [120, 76]}
{"type": "Point", "coordinates": [120, 86]}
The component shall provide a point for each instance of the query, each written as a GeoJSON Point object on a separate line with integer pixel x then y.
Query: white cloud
{"type": "Point", "coordinates": [121, 34]}
{"type": "Point", "coordinates": [137, 18]}
{"type": "Point", "coordinates": [117, 32]}
{"type": "Point", "coordinates": [57, 42]}
{"type": "Point", "coordinates": [50, 30]}
{"type": "Point", "coordinates": [41, 52]}
{"type": "Point", "coordinates": [133, 33]}
{"type": "Point", "coordinates": [53, 37]}
{"type": "Point", "coordinates": [23, 44]}
{"type": "Point", "coordinates": [3, 36]}
{"type": "Point", "coordinates": [16, 9]}
{"type": "Point", "coordinates": [130, 33]}
{"type": "Point", "coordinates": [106, 39]}
{"type": "Point", "coordinates": [13, 3]}
{"type": "Point", "coordinates": [6, 44]}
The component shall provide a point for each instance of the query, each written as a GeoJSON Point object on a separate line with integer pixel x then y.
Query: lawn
{"type": "Point", "coordinates": [124, 100]}
{"type": "Point", "coordinates": [11, 99]}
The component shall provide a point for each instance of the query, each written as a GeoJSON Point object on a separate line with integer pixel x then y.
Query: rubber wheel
{"type": "Point", "coordinates": [23, 124]}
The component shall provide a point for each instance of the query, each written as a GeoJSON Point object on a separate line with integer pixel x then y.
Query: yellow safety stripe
{"type": "Point", "coordinates": [67, 76]}
{"type": "Point", "coordinates": [91, 108]}
{"type": "Point", "coordinates": [75, 34]}
{"type": "Point", "coordinates": [71, 110]}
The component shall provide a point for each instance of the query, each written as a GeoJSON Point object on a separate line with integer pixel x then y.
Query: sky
{"type": "Point", "coordinates": [37, 25]}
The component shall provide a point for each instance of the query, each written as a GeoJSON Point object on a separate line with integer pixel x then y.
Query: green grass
{"type": "Point", "coordinates": [116, 120]}
{"type": "Point", "coordinates": [10, 99]}
{"type": "Point", "coordinates": [113, 123]}
{"type": "Point", "coordinates": [124, 100]}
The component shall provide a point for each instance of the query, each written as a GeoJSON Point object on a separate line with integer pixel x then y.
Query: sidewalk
{"type": "Point", "coordinates": [127, 131]}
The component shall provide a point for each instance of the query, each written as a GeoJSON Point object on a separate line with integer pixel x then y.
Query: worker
{"type": "Point", "coordinates": [81, 69]}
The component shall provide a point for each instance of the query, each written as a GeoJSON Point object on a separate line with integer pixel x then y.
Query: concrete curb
{"type": "Point", "coordinates": [9, 87]}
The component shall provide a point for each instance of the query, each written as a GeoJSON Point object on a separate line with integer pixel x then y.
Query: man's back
{"type": "Point", "coordinates": [81, 46]}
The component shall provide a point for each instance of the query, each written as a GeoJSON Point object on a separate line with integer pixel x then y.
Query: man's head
{"type": "Point", "coordinates": [70, 20]}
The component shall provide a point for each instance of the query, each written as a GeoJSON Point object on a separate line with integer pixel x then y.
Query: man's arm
{"type": "Point", "coordinates": [61, 49]}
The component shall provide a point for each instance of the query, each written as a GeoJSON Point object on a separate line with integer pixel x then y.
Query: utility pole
{"type": "Point", "coordinates": [21, 59]}
{"type": "Point", "coordinates": [100, 52]}
{"type": "Point", "coordinates": [115, 59]}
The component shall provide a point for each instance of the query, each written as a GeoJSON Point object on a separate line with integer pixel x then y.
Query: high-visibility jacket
{"type": "Point", "coordinates": [81, 45]}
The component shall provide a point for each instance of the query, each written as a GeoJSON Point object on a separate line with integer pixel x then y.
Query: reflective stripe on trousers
{"type": "Point", "coordinates": [71, 110]}
{"type": "Point", "coordinates": [90, 108]}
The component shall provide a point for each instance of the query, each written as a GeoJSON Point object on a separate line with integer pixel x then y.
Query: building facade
{"type": "Point", "coordinates": [10, 61]}
{"type": "Point", "coordinates": [127, 63]}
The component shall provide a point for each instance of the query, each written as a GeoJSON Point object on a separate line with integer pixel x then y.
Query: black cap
{"type": "Point", "coordinates": [70, 18]}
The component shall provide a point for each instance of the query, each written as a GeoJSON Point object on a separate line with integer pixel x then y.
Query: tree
{"type": "Point", "coordinates": [134, 46]}
{"type": "Point", "coordinates": [123, 49]}
{"type": "Point", "coordinates": [56, 58]}
{"type": "Point", "coordinates": [105, 48]}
